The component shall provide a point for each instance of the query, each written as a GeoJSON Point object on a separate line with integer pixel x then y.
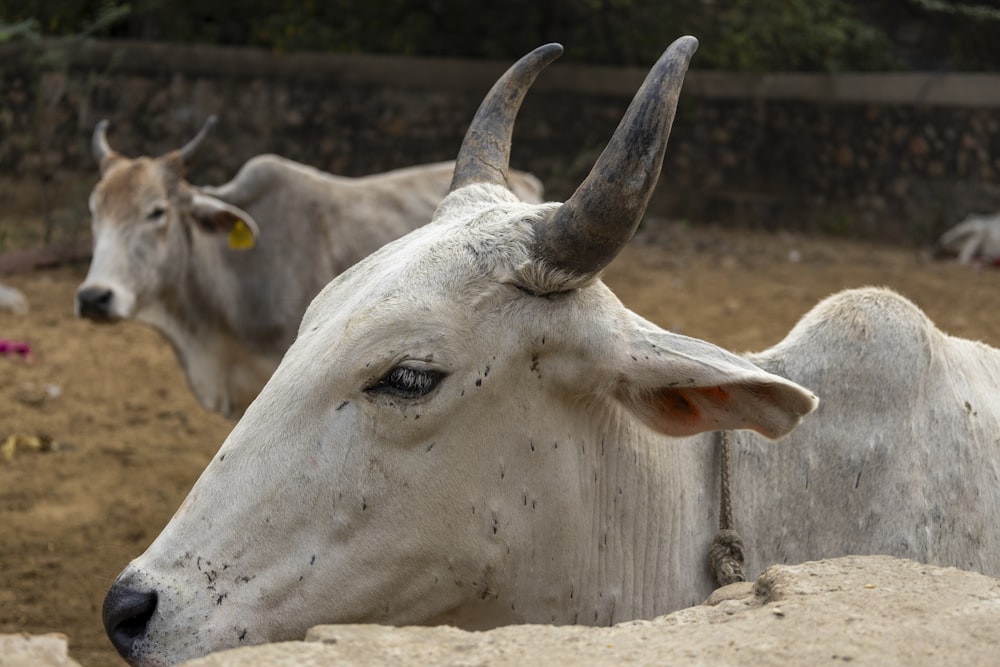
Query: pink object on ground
{"type": "Point", "coordinates": [22, 350]}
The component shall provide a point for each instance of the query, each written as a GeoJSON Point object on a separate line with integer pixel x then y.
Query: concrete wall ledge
{"type": "Point", "coordinates": [910, 88]}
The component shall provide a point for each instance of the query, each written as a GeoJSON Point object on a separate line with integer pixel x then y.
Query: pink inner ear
{"type": "Point", "coordinates": [684, 411]}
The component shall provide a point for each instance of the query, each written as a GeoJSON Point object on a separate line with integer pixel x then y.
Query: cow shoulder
{"type": "Point", "coordinates": [264, 176]}
{"type": "Point", "coordinates": [866, 346]}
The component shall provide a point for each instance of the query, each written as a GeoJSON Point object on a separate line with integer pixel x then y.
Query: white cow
{"type": "Point", "coordinates": [225, 273]}
{"type": "Point", "coordinates": [975, 238]}
{"type": "Point", "coordinates": [472, 429]}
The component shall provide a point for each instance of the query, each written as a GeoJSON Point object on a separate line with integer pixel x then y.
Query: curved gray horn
{"type": "Point", "coordinates": [188, 150]}
{"type": "Point", "coordinates": [99, 142]}
{"type": "Point", "coordinates": [485, 153]}
{"type": "Point", "coordinates": [583, 235]}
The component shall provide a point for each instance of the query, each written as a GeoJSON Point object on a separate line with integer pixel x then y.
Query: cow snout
{"type": "Point", "coordinates": [94, 303]}
{"type": "Point", "coordinates": [126, 615]}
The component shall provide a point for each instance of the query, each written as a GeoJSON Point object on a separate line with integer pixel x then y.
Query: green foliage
{"type": "Point", "coordinates": [747, 35]}
{"type": "Point", "coordinates": [26, 29]}
{"type": "Point", "coordinates": [961, 8]}
{"type": "Point", "coordinates": [792, 35]}
{"type": "Point", "coordinates": [67, 19]}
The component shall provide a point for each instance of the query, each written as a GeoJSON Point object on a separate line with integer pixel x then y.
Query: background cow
{"type": "Point", "coordinates": [225, 273]}
{"type": "Point", "coordinates": [472, 429]}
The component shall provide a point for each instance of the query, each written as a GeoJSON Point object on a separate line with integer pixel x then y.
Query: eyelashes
{"type": "Point", "coordinates": [407, 382]}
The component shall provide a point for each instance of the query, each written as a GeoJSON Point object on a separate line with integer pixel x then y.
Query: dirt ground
{"type": "Point", "coordinates": [109, 439]}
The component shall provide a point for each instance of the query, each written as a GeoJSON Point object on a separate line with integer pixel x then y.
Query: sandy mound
{"type": "Point", "coordinates": [873, 610]}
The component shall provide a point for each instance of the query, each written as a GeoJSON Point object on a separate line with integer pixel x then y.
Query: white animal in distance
{"type": "Point", "coordinates": [977, 238]}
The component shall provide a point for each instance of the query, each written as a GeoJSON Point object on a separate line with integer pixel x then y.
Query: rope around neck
{"type": "Point", "coordinates": [726, 556]}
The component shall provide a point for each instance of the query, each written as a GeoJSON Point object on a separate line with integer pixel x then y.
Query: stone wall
{"type": "Point", "coordinates": [897, 157]}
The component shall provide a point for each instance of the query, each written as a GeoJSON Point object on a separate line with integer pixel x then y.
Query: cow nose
{"type": "Point", "coordinates": [94, 303]}
{"type": "Point", "coordinates": [126, 615]}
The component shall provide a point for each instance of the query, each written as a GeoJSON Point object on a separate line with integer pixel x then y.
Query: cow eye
{"type": "Point", "coordinates": [156, 214]}
{"type": "Point", "coordinates": [407, 382]}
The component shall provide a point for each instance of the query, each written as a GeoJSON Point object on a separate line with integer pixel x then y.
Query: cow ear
{"type": "Point", "coordinates": [217, 217]}
{"type": "Point", "coordinates": [682, 386]}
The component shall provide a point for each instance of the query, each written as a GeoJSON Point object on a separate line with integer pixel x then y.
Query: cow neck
{"type": "Point", "coordinates": [197, 323]}
{"type": "Point", "coordinates": [650, 502]}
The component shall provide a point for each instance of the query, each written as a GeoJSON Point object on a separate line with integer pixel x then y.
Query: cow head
{"type": "Point", "coordinates": [446, 434]}
{"type": "Point", "coordinates": [145, 218]}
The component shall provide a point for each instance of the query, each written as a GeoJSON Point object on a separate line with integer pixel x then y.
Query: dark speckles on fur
{"type": "Point", "coordinates": [535, 368]}
{"type": "Point", "coordinates": [479, 382]}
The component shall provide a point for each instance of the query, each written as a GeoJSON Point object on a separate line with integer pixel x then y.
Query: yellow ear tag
{"type": "Point", "coordinates": [240, 236]}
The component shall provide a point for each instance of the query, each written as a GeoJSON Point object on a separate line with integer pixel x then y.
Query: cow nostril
{"type": "Point", "coordinates": [126, 615]}
{"type": "Point", "coordinates": [94, 303]}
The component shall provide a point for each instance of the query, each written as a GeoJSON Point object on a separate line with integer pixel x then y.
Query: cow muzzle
{"type": "Point", "coordinates": [126, 615]}
{"type": "Point", "coordinates": [96, 303]}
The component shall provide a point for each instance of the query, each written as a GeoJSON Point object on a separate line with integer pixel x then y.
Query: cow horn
{"type": "Point", "coordinates": [584, 234]}
{"type": "Point", "coordinates": [485, 153]}
{"type": "Point", "coordinates": [187, 152]}
{"type": "Point", "coordinates": [99, 142]}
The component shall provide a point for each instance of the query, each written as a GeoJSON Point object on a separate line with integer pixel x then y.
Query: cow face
{"type": "Point", "coordinates": [437, 444]}
{"type": "Point", "coordinates": [146, 221]}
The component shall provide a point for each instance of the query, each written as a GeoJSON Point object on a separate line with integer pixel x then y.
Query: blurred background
{"type": "Point", "coordinates": [864, 118]}
{"type": "Point", "coordinates": [818, 145]}
{"type": "Point", "coordinates": [758, 35]}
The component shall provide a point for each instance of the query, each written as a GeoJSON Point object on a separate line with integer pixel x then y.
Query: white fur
{"type": "Point", "coordinates": [535, 483]}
